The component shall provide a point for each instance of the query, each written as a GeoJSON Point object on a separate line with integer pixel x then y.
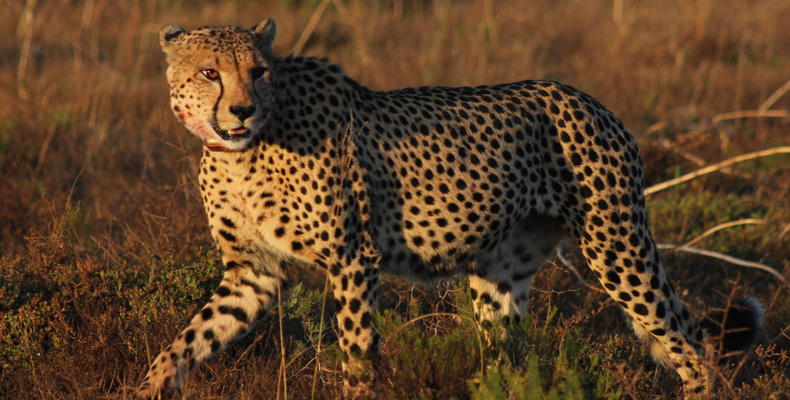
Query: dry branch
{"type": "Point", "coordinates": [750, 114]}
{"type": "Point", "coordinates": [775, 96]}
{"type": "Point", "coordinates": [654, 128]}
{"type": "Point", "coordinates": [724, 226]}
{"type": "Point", "coordinates": [310, 27]}
{"type": "Point", "coordinates": [715, 167]}
{"type": "Point", "coordinates": [688, 249]}
{"type": "Point", "coordinates": [25, 33]}
{"type": "Point", "coordinates": [283, 360]}
{"type": "Point", "coordinates": [723, 257]}
{"type": "Point", "coordinates": [320, 337]}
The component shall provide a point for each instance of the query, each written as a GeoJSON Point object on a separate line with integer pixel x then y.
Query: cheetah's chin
{"type": "Point", "coordinates": [215, 145]}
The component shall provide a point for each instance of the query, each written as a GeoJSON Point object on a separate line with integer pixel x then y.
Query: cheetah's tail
{"type": "Point", "coordinates": [741, 323]}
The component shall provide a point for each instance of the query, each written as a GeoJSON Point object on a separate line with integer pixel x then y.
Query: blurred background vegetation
{"type": "Point", "coordinates": [105, 250]}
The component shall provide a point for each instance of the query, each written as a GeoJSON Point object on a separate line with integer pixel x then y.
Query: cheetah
{"type": "Point", "coordinates": [304, 167]}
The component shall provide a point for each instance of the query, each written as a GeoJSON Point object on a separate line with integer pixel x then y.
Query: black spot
{"type": "Point", "coordinates": [666, 290]}
{"type": "Point", "coordinates": [661, 310]}
{"type": "Point", "coordinates": [624, 296]}
{"type": "Point", "coordinates": [354, 306]}
{"type": "Point", "coordinates": [649, 297]}
{"type": "Point", "coordinates": [503, 287]}
{"type": "Point", "coordinates": [237, 313]}
{"type": "Point", "coordinates": [227, 235]}
{"type": "Point", "coordinates": [598, 183]}
{"type": "Point", "coordinates": [366, 319]}
{"type": "Point", "coordinates": [189, 336]}
{"type": "Point", "coordinates": [640, 309]}
{"type": "Point", "coordinates": [358, 278]}
{"type": "Point", "coordinates": [255, 288]}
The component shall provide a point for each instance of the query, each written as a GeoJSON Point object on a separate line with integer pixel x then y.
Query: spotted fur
{"type": "Point", "coordinates": [302, 165]}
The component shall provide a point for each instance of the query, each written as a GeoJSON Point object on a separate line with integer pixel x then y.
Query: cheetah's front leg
{"type": "Point", "coordinates": [355, 288]}
{"type": "Point", "coordinates": [243, 296]}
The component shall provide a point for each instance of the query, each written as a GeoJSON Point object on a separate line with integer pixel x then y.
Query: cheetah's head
{"type": "Point", "coordinates": [221, 81]}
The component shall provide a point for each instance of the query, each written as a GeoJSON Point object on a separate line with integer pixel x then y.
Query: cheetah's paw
{"type": "Point", "coordinates": [163, 379]}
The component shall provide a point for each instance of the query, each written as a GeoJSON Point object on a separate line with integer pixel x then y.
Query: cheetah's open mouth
{"type": "Point", "coordinates": [233, 134]}
{"type": "Point", "coordinates": [228, 135]}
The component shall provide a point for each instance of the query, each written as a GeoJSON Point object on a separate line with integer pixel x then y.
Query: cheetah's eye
{"type": "Point", "coordinates": [210, 74]}
{"type": "Point", "coordinates": [257, 72]}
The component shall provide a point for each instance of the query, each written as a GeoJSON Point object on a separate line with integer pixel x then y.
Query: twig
{"type": "Point", "coordinates": [750, 114]}
{"type": "Point", "coordinates": [654, 128]}
{"type": "Point", "coordinates": [489, 20]}
{"type": "Point", "coordinates": [715, 167]}
{"type": "Point", "coordinates": [775, 96]}
{"type": "Point", "coordinates": [283, 364]}
{"type": "Point", "coordinates": [575, 271]}
{"type": "Point", "coordinates": [723, 257]}
{"type": "Point", "coordinates": [667, 145]}
{"type": "Point", "coordinates": [320, 337]}
{"type": "Point", "coordinates": [697, 160]}
{"type": "Point", "coordinates": [617, 11]}
{"type": "Point", "coordinates": [341, 8]}
{"type": "Point", "coordinates": [25, 32]}
{"type": "Point", "coordinates": [723, 226]}
{"type": "Point", "coordinates": [784, 231]}
{"type": "Point", "coordinates": [311, 24]}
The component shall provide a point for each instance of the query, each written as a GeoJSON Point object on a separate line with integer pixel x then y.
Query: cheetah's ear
{"type": "Point", "coordinates": [265, 31]}
{"type": "Point", "coordinates": [169, 34]}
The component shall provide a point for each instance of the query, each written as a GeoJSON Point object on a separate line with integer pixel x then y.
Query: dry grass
{"type": "Point", "coordinates": [97, 193]}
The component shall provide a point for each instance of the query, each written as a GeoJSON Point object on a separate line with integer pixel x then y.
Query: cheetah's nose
{"type": "Point", "coordinates": [242, 112]}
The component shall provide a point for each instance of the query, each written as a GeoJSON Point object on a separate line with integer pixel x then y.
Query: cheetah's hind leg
{"type": "Point", "coordinates": [741, 321]}
{"type": "Point", "coordinates": [501, 283]}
